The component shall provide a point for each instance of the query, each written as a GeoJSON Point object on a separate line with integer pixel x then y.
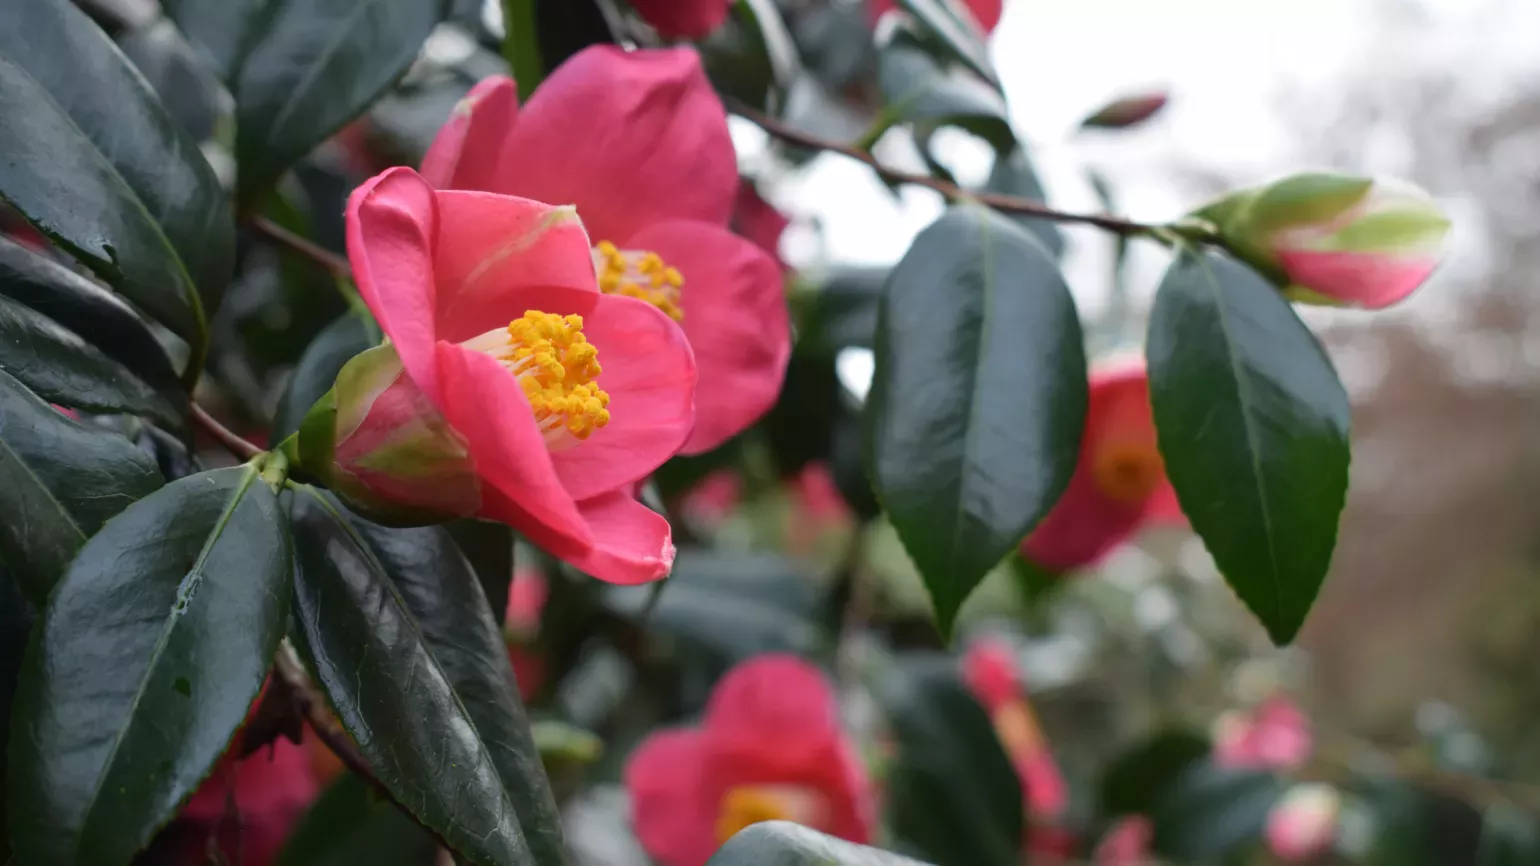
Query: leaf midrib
{"type": "Point", "coordinates": [1253, 447]}
{"type": "Point", "coordinates": [215, 532]}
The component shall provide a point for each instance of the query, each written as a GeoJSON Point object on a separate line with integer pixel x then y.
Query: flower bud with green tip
{"type": "Point", "coordinates": [1335, 239]}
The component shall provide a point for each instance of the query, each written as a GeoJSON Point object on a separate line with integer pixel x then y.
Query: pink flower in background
{"type": "Point", "coordinates": [770, 748]}
{"type": "Point", "coordinates": [683, 19]}
{"type": "Point", "coordinates": [511, 388]}
{"type": "Point", "coordinates": [992, 675]}
{"type": "Point", "coordinates": [817, 507]}
{"type": "Point", "coordinates": [759, 221]}
{"type": "Point", "coordinates": [1273, 736]}
{"type": "Point", "coordinates": [1119, 483]}
{"type": "Point", "coordinates": [526, 601]}
{"type": "Point", "coordinates": [986, 13]}
{"type": "Point", "coordinates": [1335, 239]}
{"type": "Point", "coordinates": [1303, 824]}
{"type": "Point", "coordinates": [271, 788]}
{"type": "Point", "coordinates": [1127, 843]}
{"type": "Point", "coordinates": [638, 142]}
{"type": "Point", "coordinates": [711, 500]}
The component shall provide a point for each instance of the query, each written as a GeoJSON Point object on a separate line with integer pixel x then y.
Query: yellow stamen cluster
{"type": "Point", "coordinates": [557, 368]}
{"type": "Point", "coordinates": [1128, 471]}
{"type": "Point", "coordinates": [745, 806]}
{"type": "Point", "coordinates": [644, 276]}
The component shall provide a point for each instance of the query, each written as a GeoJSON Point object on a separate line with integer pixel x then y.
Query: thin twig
{"type": "Point", "coordinates": [1003, 203]}
{"type": "Point", "coordinates": [312, 705]}
{"type": "Point", "coordinates": [337, 265]}
{"type": "Point", "coordinates": [232, 442]}
{"type": "Point", "coordinates": [1351, 754]}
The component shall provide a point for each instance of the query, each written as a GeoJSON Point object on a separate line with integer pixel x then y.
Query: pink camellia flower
{"type": "Point", "coordinates": [1127, 843]}
{"type": "Point", "coordinates": [638, 142]}
{"type": "Point", "coordinates": [1334, 239]}
{"type": "Point", "coordinates": [511, 388]}
{"type": "Point", "coordinates": [986, 13]}
{"type": "Point", "coordinates": [683, 19]}
{"type": "Point", "coordinates": [249, 805]}
{"type": "Point", "coordinates": [1303, 824]}
{"type": "Point", "coordinates": [759, 221]}
{"type": "Point", "coordinates": [1273, 736]}
{"type": "Point", "coordinates": [1120, 481]}
{"type": "Point", "coordinates": [992, 675]}
{"type": "Point", "coordinates": [770, 748]}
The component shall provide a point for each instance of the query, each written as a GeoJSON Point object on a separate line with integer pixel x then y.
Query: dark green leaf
{"type": "Point", "coordinates": [782, 843]}
{"type": "Point", "coordinates": [751, 58]}
{"type": "Point", "coordinates": [488, 547]}
{"type": "Point", "coordinates": [836, 44]}
{"type": "Point", "coordinates": [62, 481]}
{"type": "Point", "coordinates": [151, 649]}
{"type": "Point", "coordinates": [960, 36]}
{"type": "Point", "coordinates": [952, 792]}
{"type": "Point", "coordinates": [400, 636]}
{"type": "Point", "coordinates": [735, 604]}
{"type": "Point", "coordinates": [317, 370]}
{"type": "Point", "coordinates": [521, 45]}
{"type": "Point", "coordinates": [181, 79]}
{"type": "Point", "coordinates": [63, 368]}
{"type": "Point", "coordinates": [927, 93]}
{"type": "Point", "coordinates": [216, 27]}
{"type": "Point", "coordinates": [16, 618]}
{"type": "Point", "coordinates": [1013, 174]}
{"type": "Point", "coordinates": [1253, 425]}
{"type": "Point", "coordinates": [978, 399]}
{"type": "Point", "coordinates": [1210, 812]}
{"type": "Point", "coordinates": [842, 310]}
{"type": "Point", "coordinates": [68, 189]}
{"type": "Point", "coordinates": [1509, 837]}
{"type": "Point", "coordinates": [311, 66]}
{"type": "Point", "coordinates": [89, 310]}
{"type": "Point", "coordinates": [1413, 827]}
{"type": "Point", "coordinates": [1138, 779]}
{"type": "Point", "coordinates": [350, 825]}
{"type": "Point", "coordinates": [121, 136]}
{"type": "Point", "coordinates": [568, 26]}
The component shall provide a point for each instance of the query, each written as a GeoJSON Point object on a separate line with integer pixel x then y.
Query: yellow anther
{"type": "Point", "coordinates": [1127, 471]}
{"type": "Point", "coordinates": [641, 275]}
{"type": "Point", "coordinates": [557, 369]}
{"type": "Point", "coordinates": [743, 807]}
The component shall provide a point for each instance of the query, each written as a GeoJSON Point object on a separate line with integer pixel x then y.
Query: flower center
{"type": "Point", "coordinates": [1128, 471]}
{"type": "Point", "coordinates": [641, 275]}
{"type": "Point", "coordinates": [557, 368]}
{"type": "Point", "coordinates": [751, 804]}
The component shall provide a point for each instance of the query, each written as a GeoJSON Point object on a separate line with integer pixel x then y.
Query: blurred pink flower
{"type": "Point", "coordinates": [1303, 824]}
{"type": "Point", "coordinates": [770, 748]}
{"type": "Point", "coordinates": [1120, 481]}
{"type": "Point", "coordinates": [759, 221]}
{"type": "Point", "coordinates": [1127, 843]}
{"type": "Point", "coordinates": [992, 675]}
{"type": "Point", "coordinates": [986, 13]}
{"type": "Point", "coordinates": [638, 142]}
{"type": "Point", "coordinates": [1273, 736]}
{"type": "Point", "coordinates": [817, 507]}
{"type": "Point", "coordinates": [712, 499]}
{"type": "Point", "coordinates": [271, 788]}
{"type": "Point", "coordinates": [683, 19]}
{"type": "Point", "coordinates": [526, 601]}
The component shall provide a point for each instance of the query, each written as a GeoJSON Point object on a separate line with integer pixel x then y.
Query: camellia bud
{"type": "Point", "coordinates": [1127, 111]}
{"type": "Point", "coordinates": [1335, 239]}
{"type": "Point", "coordinates": [378, 443]}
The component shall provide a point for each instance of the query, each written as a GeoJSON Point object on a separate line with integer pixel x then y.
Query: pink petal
{"type": "Point", "coordinates": [771, 718]}
{"type": "Point", "coordinates": [466, 152]}
{"type": "Point", "coordinates": [1163, 508]}
{"type": "Point", "coordinates": [1127, 843]}
{"type": "Point", "coordinates": [1083, 526]}
{"type": "Point", "coordinates": [492, 248]}
{"type": "Point", "coordinates": [991, 673]}
{"type": "Point", "coordinates": [674, 818]}
{"type": "Point", "coordinates": [686, 19]}
{"type": "Point", "coordinates": [1369, 280]}
{"type": "Point", "coordinates": [630, 138]}
{"type": "Point", "coordinates": [272, 788]}
{"type": "Point", "coordinates": [734, 305]}
{"type": "Point", "coordinates": [650, 375]}
{"type": "Point", "coordinates": [527, 594]}
{"type": "Point", "coordinates": [633, 544]}
{"type": "Point", "coordinates": [759, 221]}
{"type": "Point", "coordinates": [487, 406]}
{"type": "Point", "coordinates": [392, 220]}
{"type": "Point", "coordinates": [851, 798]}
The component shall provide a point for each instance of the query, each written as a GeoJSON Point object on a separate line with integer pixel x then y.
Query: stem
{"type": "Point", "coordinates": [232, 442]}
{"type": "Point", "coordinates": [312, 705]}
{"type": "Point", "coordinates": [521, 45]}
{"type": "Point", "coordinates": [1003, 203]}
{"type": "Point", "coordinates": [337, 265]}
